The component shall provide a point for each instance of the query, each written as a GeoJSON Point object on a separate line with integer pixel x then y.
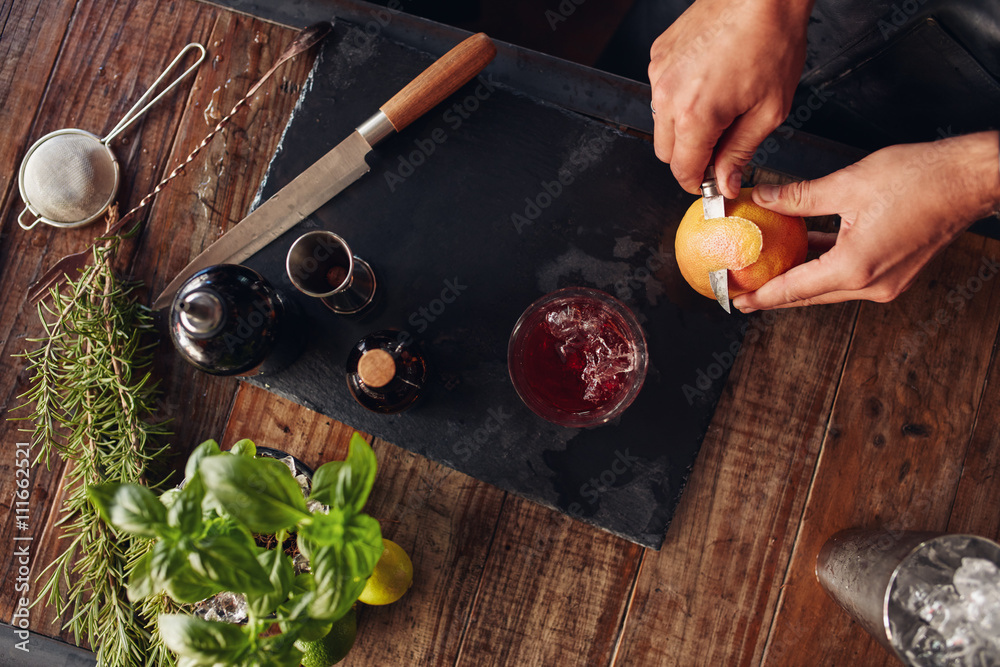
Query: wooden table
{"type": "Point", "coordinates": [836, 416]}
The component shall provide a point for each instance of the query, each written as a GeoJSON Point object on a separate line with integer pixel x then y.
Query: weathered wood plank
{"type": "Point", "coordinates": [979, 487]}
{"type": "Point", "coordinates": [214, 192]}
{"type": "Point", "coordinates": [29, 48]}
{"type": "Point", "coordinates": [707, 596]}
{"type": "Point", "coordinates": [554, 592]}
{"type": "Point", "coordinates": [900, 432]}
{"type": "Point", "coordinates": [443, 519]}
{"type": "Point", "coordinates": [112, 52]}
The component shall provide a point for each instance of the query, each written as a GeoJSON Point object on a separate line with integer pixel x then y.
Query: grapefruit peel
{"type": "Point", "coordinates": [734, 243]}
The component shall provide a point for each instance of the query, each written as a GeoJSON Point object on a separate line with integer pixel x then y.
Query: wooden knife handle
{"type": "Point", "coordinates": [451, 71]}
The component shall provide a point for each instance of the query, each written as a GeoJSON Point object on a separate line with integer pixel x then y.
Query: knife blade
{"type": "Point", "coordinates": [712, 201]}
{"type": "Point", "coordinates": [720, 287]}
{"type": "Point", "coordinates": [714, 206]}
{"type": "Point", "coordinates": [342, 165]}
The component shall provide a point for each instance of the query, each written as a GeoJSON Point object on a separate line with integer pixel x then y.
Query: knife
{"type": "Point", "coordinates": [714, 206]}
{"type": "Point", "coordinates": [343, 165]}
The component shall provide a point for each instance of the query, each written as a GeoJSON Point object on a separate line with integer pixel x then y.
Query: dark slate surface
{"type": "Point", "coordinates": [437, 219]}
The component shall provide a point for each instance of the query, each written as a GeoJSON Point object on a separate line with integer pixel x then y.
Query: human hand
{"type": "Point", "coordinates": [723, 76]}
{"type": "Point", "coordinates": [899, 207]}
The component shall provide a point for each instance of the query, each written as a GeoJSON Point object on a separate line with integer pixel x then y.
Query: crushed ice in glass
{"type": "Point", "coordinates": [944, 606]}
{"type": "Point", "coordinates": [224, 607]}
{"type": "Point", "coordinates": [593, 333]}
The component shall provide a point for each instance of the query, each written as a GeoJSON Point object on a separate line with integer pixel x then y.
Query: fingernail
{"type": "Point", "coordinates": [735, 181]}
{"type": "Point", "coordinates": [766, 193]}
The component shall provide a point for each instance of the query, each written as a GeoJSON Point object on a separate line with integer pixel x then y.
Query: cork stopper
{"type": "Point", "coordinates": [376, 368]}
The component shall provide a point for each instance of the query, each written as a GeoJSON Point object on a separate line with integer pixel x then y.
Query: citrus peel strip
{"type": "Point", "coordinates": [736, 243]}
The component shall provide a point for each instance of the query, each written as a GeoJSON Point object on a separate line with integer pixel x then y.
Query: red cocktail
{"type": "Point", "coordinates": [577, 357]}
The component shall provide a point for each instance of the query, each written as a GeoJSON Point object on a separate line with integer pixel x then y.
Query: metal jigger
{"type": "Point", "coordinates": [320, 264]}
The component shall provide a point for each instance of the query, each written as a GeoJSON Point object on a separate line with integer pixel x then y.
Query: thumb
{"type": "Point", "coordinates": [804, 198]}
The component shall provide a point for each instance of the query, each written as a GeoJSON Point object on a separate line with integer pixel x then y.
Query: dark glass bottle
{"type": "Point", "coordinates": [386, 372]}
{"type": "Point", "coordinates": [228, 320]}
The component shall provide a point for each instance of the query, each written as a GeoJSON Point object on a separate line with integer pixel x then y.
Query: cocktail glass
{"type": "Point", "coordinates": [577, 357]}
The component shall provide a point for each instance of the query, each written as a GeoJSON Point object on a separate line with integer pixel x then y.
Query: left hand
{"type": "Point", "coordinates": [899, 207]}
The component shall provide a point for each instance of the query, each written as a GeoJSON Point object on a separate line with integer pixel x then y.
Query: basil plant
{"type": "Point", "coordinates": [204, 545]}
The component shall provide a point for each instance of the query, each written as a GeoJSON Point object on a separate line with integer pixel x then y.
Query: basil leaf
{"type": "Point", "coordinates": [304, 583]}
{"type": "Point", "coordinates": [323, 530]}
{"type": "Point", "coordinates": [342, 572]}
{"type": "Point", "coordinates": [339, 529]}
{"type": "Point", "coordinates": [336, 587]}
{"type": "Point", "coordinates": [170, 571]}
{"type": "Point", "coordinates": [347, 483]}
{"type": "Point", "coordinates": [261, 493]}
{"type": "Point", "coordinates": [244, 448]}
{"type": "Point", "coordinates": [280, 574]}
{"type": "Point", "coordinates": [230, 563]}
{"type": "Point", "coordinates": [187, 587]}
{"type": "Point", "coordinates": [184, 512]}
{"type": "Point", "coordinates": [202, 451]}
{"type": "Point", "coordinates": [364, 534]}
{"type": "Point", "coordinates": [130, 508]}
{"type": "Point", "coordinates": [140, 582]}
{"type": "Point", "coordinates": [200, 641]}
{"type": "Point", "coordinates": [278, 651]}
{"type": "Point", "coordinates": [295, 608]}
{"type": "Point", "coordinates": [168, 497]}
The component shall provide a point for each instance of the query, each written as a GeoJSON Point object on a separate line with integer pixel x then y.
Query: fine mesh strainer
{"type": "Point", "coordinates": [69, 177]}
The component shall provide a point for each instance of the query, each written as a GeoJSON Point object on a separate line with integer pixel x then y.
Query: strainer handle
{"type": "Point", "coordinates": [20, 218]}
{"type": "Point", "coordinates": [144, 103]}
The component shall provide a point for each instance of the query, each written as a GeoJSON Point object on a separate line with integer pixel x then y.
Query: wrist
{"type": "Point", "coordinates": [975, 175]}
{"type": "Point", "coordinates": [996, 192]}
{"type": "Point", "coordinates": [989, 182]}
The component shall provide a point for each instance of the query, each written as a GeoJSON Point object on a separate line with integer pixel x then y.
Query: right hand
{"type": "Point", "coordinates": [723, 76]}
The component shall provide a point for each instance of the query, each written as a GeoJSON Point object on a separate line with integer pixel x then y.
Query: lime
{"type": "Point", "coordinates": [392, 577]}
{"type": "Point", "coordinates": [332, 648]}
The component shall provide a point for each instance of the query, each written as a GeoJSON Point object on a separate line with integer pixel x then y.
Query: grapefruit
{"type": "Point", "coordinates": [755, 244]}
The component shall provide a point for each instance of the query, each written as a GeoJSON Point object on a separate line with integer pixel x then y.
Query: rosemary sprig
{"type": "Point", "coordinates": [93, 401]}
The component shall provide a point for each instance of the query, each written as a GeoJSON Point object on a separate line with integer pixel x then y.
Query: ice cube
{"type": "Point", "coordinates": [591, 332]}
{"type": "Point", "coordinates": [977, 575]}
{"type": "Point", "coordinates": [226, 607]}
{"type": "Point", "coordinates": [610, 356]}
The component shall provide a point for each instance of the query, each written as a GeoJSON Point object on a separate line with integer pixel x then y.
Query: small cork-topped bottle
{"type": "Point", "coordinates": [385, 372]}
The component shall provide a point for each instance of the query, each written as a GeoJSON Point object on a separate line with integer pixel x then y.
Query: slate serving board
{"type": "Point", "coordinates": [485, 204]}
